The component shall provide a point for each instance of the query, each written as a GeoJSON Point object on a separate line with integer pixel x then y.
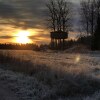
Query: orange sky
{"type": "Point", "coordinates": [27, 15]}
{"type": "Point", "coordinates": [38, 36]}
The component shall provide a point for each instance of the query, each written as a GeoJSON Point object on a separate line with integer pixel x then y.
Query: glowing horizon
{"type": "Point", "coordinates": [22, 37]}
{"type": "Point", "coordinates": [17, 15]}
{"type": "Point", "coordinates": [37, 36]}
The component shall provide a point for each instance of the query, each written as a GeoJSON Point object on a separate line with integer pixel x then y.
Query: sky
{"type": "Point", "coordinates": [17, 16]}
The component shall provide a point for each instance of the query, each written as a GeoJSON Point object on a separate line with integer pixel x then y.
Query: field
{"type": "Point", "coordinates": [51, 75]}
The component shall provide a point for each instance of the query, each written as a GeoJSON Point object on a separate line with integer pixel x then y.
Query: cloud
{"type": "Point", "coordinates": [24, 13]}
{"type": "Point", "coordinates": [8, 11]}
{"type": "Point", "coordinates": [30, 37]}
{"type": "Point", "coordinates": [39, 35]}
{"type": "Point", "coordinates": [32, 12]}
{"type": "Point", "coordinates": [9, 14]}
{"type": "Point", "coordinates": [6, 37]}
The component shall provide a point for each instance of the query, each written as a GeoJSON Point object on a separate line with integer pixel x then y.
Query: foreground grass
{"type": "Point", "coordinates": [63, 85]}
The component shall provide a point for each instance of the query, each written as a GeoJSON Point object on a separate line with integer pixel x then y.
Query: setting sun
{"type": "Point", "coordinates": [23, 37]}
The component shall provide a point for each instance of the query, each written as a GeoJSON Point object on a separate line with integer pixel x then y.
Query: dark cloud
{"type": "Point", "coordinates": [33, 12]}
{"type": "Point", "coordinates": [30, 12]}
{"type": "Point", "coordinates": [6, 37]}
{"type": "Point", "coordinates": [9, 15]}
{"type": "Point", "coordinates": [30, 37]}
{"type": "Point", "coordinates": [8, 11]}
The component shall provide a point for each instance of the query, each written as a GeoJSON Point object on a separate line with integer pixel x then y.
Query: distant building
{"type": "Point", "coordinates": [58, 39]}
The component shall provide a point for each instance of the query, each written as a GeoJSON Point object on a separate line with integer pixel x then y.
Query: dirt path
{"type": "Point", "coordinates": [6, 93]}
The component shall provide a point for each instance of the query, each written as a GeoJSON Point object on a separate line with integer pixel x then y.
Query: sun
{"type": "Point", "coordinates": [23, 37]}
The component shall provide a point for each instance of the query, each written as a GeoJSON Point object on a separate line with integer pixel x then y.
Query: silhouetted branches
{"type": "Point", "coordinates": [59, 15]}
{"type": "Point", "coordinates": [89, 15]}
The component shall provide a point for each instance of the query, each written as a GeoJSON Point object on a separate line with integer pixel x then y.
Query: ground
{"type": "Point", "coordinates": [6, 93]}
{"type": "Point", "coordinates": [41, 85]}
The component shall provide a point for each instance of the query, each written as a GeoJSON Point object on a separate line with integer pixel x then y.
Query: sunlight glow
{"type": "Point", "coordinates": [23, 37]}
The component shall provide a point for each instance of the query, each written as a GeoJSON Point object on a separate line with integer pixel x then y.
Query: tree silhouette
{"type": "Point", "coordinates": [59, 20]}
{"type": "Point", "coordinates": [96, 39]}
{"type": "Point", "coordinates": [88, 15]}
{"type": "Point", "coordinates": [59, 15]}
{"type": "Point", "coordinates": [91, 20]}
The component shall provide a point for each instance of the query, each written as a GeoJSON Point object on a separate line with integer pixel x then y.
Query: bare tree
{"type": "Point", "coordinates": [88, 15]}
{"type": "Point", "coordinates": [52, 14]}
{"type": "Point", "coordinates": [59, 14]}
{"type": "Point", "coordinates": [85, 15]}
{"type": "Point", "coordinates": [93, 16]}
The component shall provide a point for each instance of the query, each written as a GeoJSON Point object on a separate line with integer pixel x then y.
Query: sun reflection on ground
{"type": "Point", "coordinates": [77, 59]}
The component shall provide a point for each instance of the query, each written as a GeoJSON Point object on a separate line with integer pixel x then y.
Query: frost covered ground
{"type": "Point", "coordinates": [68, 76]}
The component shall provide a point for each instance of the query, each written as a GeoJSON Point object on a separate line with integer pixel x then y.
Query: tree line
{"type": "Point", "coordinates": [19, 46]}
{"type": "Point", "coordinates": [60, 15]}
{"type": "Point", "coordinates": [28, 46]}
